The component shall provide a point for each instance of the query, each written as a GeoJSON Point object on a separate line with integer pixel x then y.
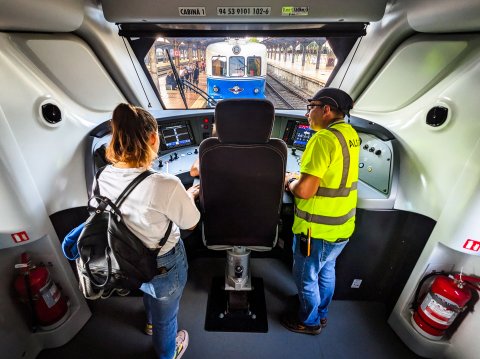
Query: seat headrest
{"type": "Point", "coordinates": [244, 120]}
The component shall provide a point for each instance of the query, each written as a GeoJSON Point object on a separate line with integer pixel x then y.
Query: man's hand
{"type": "Point", "coordinates": [288, 177]}
{"type": "Point", "coordinates": [304, 187]}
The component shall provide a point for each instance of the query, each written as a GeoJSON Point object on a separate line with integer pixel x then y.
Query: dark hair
{"type": "Point", "coordinates": [131, 128]}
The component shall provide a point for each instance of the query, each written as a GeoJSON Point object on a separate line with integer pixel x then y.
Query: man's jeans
{"type": "Point", "coordinates": [314, 277]}
{"type": "Point", "coordinates": [162, 297]}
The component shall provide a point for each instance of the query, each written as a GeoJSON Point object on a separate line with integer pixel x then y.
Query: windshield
{"type": "Point", "coordinates": [196, 73]}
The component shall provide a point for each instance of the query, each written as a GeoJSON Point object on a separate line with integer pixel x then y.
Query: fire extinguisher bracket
{"type": "Point", "coordinates": [48, 306]}
{"type": "Point", "coordinates": [447, 296]}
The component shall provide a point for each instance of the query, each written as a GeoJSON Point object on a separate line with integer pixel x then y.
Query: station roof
{"type": "Point", "coordinates": [269, 41]}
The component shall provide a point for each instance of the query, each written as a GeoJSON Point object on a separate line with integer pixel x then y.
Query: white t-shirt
{"type": "Point", "coordinates": [148, 209]}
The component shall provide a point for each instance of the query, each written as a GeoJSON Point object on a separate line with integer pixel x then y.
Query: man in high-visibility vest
{"type": "Point", "coordinates": [325, 202]}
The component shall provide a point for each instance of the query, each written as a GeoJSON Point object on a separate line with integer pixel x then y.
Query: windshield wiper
{"type": "Point", "coordinates": [177, 79]}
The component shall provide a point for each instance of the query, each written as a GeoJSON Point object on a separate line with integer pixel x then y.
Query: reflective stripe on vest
{"type": "Point", "coordinates": [342, 190]}
{"type": "Point", "coordinates": [333, 192]}
{"type": "Point", "coordinates": [315, 218]}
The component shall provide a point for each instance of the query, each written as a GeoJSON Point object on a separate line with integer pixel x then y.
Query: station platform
{"type": "Point", "coordinates": [309, 70]}
{"type": "Point", "coordinates": [173, 100]}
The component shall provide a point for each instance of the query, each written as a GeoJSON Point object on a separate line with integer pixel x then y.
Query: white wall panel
{"type": "Point", "coordinates": [54, 156]}
{"type": "Point", "coordinates": [430, 158]}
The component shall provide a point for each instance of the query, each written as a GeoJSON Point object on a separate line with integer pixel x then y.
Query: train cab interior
{"type": "Point", "coordinates": [412, 68]}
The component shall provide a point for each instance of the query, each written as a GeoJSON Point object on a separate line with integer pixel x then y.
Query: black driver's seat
{"type": "Point", "coordinates": [242, 183]}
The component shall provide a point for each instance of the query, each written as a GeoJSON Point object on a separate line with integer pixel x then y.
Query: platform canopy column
{"type": "Point", "coordinates": [152, 62]}
{"type": "Point", "coordinates": [304, 52]}
{"type": "Point", "coordinates": [176, 53]}
{"type": "Point", "coordinates": [189, 51]}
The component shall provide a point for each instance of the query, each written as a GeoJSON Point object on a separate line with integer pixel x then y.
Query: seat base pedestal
{"type": "Point", "coordinates": [239, 311]}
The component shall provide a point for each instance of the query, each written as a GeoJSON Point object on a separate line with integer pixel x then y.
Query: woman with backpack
{"type": "Point", "coordinates": [147, 211]}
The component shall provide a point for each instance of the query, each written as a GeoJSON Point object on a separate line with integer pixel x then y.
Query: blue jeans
{"type": "Point", "coordinates": [314, 277]}
{"type": "Point", "coordinates": [162, 298]}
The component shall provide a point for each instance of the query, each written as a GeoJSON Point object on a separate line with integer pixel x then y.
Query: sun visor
{"type": "Point", "coordinates": [44, 15]}
{"type": "Point", "coordinates": [272, 11]}
{"type": "Point", "coordinates": [444, 16]}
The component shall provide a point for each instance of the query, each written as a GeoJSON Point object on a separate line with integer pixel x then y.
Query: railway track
{"type": "Point", "coordinates": [162, 71]}
{"type": "Point", "coordinates": [284, 96]}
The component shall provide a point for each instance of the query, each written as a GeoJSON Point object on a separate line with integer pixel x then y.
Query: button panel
{"type": "Point", "coordinates": [375, 165]}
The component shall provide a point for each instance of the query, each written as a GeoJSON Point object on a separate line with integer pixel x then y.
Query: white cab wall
{"type": "Point", "coordinates": [117, 57]}
{"type": "Point", "coordinates": [424, 72]}
{"type": "Point", "coordinates": [439, 167]}
{"type": "Point", "coordinates": [37, 68]}
{"type": "Point", "coordinates": [42, 167]}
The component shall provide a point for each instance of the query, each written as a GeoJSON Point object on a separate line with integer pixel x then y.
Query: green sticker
{"type": "Point", "coordinates": [295, 11]}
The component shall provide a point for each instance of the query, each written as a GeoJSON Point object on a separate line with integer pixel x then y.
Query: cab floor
{"type": "Point", "coordinates": [355, 329]}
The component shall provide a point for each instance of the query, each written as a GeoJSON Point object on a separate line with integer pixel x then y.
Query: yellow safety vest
{"type": "Point", "coordinates": [332, 155]}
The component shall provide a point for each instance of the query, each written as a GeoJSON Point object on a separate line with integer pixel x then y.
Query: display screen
{"type": "Point", "coordinates": [175, 135]}
{"type": "Point", "coordinates": [302, 135]}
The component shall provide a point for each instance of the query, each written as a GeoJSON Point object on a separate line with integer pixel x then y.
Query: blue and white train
{"type": "Point", "coordinates": [236, 69]}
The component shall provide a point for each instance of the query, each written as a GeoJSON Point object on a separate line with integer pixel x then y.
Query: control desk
{"type": "Point", "coordinates": [180, 139]}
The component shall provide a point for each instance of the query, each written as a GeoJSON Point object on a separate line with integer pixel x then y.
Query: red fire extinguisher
{"type": "Point", "coordinates": [49, 308]}
{"type": "Point", "coordinates": [447, 296]}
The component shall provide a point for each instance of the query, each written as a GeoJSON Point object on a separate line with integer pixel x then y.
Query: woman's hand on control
{"type": "Point", "coordinates": [194, 191]}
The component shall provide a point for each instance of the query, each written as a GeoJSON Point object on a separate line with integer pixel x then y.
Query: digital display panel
{"type": "Point", "coordinates": [302, 135]}
{"type": "Point", "coordinates": [176, 135]}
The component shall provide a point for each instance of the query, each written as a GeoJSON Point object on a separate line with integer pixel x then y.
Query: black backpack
{"type": "Point", "coordinates": [111, 257]}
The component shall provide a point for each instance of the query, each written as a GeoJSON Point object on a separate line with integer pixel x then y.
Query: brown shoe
{"type": "Point", "coordinates": [295, 326]}
{"type": "Point", "coordinates": [323, 322]}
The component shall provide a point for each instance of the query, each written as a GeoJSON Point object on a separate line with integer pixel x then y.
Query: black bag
{"type": "Point", "coordinates": [111, 257]}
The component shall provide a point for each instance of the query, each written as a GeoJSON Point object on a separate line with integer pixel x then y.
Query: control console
{"type": "Point", "coordinates": [375, 162]}
{"type": "Point", "coordinates": [175, 135]}
{"type": "Point", "coordinates": [177, 162]}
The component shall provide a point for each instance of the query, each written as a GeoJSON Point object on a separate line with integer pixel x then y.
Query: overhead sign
{"type": "Point", "coordinates": [192, 11]}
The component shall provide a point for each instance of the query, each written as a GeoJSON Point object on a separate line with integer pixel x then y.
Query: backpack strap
{"type": "Point", "coordinates": [121, 198]}
{"type": "Point", "coordinates": [131, 186]}
{"type": "Point", "coordinates": [96, 190]}
{"type": "Point", "coordinates": [165, 237]}
{"type": "Point", "coordinates": [104, 202]}
{"type": "Point", "coordinates": [129, 189]}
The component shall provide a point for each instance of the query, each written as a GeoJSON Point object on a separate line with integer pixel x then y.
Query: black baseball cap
{"type": "Point", "coordinates": [334, 97]}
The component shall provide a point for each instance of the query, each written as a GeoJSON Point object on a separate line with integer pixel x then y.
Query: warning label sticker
{"type": "Point", "coordinates": [472, 245]}
{"type": "Point", "coordinates": [295, 11]}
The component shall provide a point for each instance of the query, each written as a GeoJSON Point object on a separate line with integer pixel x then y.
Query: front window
{"type": "Point", "coordinates": [254, 65]}
{"type": "Point", "coordinates": [219, 65]}
{"type": "Point", "coordinates": [237, 66]}
{"type": "Point", "coordinates": [196, 73]}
